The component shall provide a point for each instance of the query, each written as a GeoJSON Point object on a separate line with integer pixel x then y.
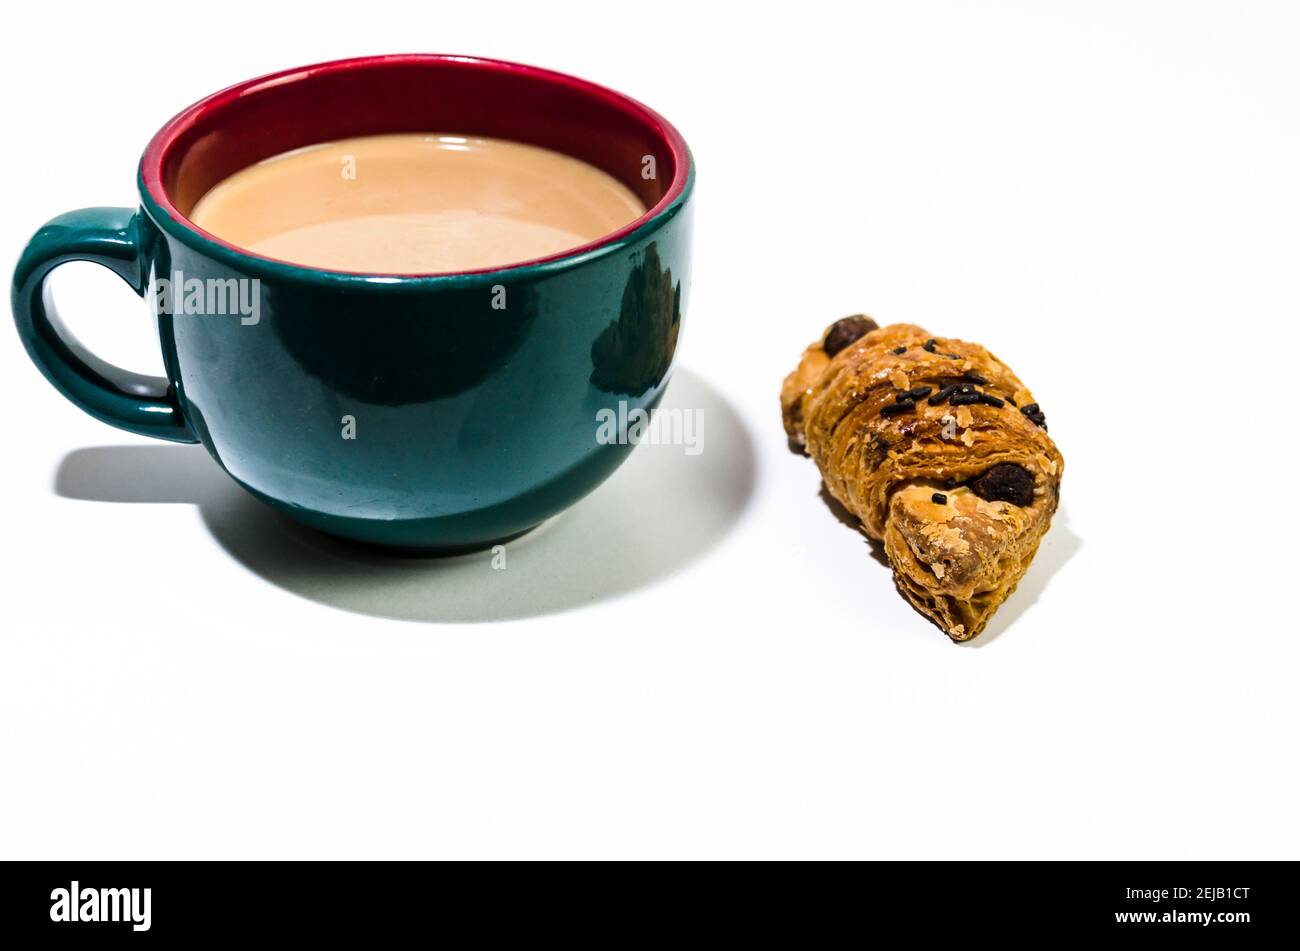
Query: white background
{"type": "Point", "coordinates": [700, 660]}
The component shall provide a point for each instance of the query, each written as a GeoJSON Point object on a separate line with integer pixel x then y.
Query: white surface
{"type": "Point", "coordinates": [701, 660]}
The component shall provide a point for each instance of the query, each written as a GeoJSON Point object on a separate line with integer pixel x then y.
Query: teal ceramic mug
{"type": "Point", "coordinates": [407, 411]}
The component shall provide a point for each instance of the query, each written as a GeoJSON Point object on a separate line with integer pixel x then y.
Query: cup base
{"type": "Point", "coordinates": [420, 551]}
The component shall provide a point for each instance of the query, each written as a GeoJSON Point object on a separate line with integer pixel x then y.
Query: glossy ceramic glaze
{"type": "Point", "coordinates": [423, 412]}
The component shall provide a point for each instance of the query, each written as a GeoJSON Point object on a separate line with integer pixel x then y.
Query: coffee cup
{"type": "Point", "coordinates": [418, 411]}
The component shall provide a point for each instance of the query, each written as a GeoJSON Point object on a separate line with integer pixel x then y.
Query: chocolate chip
{"type": "Point", "coordinates": [974, 377]}
{"type": "Point", "coordinates": [903, 406]}
{"type": "Point", "coordinates": [1005, 482]}
{"type": "Point", "coordinates": [844, 332]}
{"type": "Point", "coordinates": [939, 498]}
{"type": "Point", "coordinates": [1035, 415]}
{"type": "Point", "coordinates": [898, 350]}
{"type": "Point", "coordinates": [943, 394]}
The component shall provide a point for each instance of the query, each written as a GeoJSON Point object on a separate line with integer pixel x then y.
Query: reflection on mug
{"type": "Point", "coordinates": [634, 352]}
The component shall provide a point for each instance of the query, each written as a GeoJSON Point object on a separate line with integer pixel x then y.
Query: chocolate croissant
{"type": "Point", "coordinates": [939, 451]}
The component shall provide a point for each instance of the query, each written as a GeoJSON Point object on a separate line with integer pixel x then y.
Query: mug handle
{"type": "Point", "coordinates": [141, 404]}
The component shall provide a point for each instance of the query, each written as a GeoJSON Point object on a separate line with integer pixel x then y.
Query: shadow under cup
{"type": "Point", "coordinates": [431, 412]}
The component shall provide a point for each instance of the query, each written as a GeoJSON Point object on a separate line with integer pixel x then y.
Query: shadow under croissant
{"type": "Point", "coordinates": [1057, 547]}
{"type": "Point", "coordinates": [657, 513]}
{"type": "Point", "coordinates": [846, 517]}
